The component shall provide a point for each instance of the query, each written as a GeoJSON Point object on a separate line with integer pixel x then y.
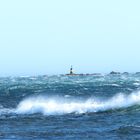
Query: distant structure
{"type": "Point", "coordinates": [71, 71]}
{"type": "Point", "coordinates": [114, 72]}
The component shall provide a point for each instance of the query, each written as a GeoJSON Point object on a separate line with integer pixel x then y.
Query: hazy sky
{"type": "Point", "coordinates": [47, 36]}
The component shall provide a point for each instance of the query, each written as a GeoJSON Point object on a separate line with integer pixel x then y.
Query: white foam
{"type": "Point", "coordinates": [136, 84]}
{"type": "Point", "coordinates": [53, 106]}
{"type": "Point", "coordinates": [62, 105]}
{"type": "Point", "coordinates": [6, 111]}
{"type": "Point", "coordinates": [116, 85]}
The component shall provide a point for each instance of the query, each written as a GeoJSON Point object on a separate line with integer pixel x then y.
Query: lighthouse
{"type": "Point", "coordinates": [71, 71]}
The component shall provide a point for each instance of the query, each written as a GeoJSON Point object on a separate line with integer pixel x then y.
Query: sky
{"type": "Point", "coordinates": [48, 36]}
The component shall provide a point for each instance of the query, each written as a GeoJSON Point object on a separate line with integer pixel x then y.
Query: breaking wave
{"type": "Point", "coordinates": [50, 106]}
{"type": "Point", "coordinates": [59, 105]}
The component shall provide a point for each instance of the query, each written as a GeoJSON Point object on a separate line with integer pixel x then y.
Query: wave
{"type": "Point", "coordinates": [52, 106]}
{"type": "Point", "coordinates": [60, 106]}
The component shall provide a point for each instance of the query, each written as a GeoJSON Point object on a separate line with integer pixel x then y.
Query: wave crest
{"type": "Point", "coordinates": [53, 106]}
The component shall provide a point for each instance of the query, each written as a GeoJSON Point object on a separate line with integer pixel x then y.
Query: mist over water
{"type": "Point", "coordinates": [70, 107]}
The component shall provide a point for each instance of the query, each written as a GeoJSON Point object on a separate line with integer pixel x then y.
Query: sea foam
{"type": "Point", "coordinates": [59, 105]}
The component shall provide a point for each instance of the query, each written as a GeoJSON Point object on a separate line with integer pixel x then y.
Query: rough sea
{"type": "Point", "coordinates": [94, 107]}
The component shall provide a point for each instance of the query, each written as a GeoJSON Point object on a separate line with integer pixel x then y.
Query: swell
{"type": "Point", "coordinates": [59, 105]}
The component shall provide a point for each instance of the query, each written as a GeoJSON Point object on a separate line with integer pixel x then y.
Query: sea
{"type": "Point", "coordinates": [80, 107]}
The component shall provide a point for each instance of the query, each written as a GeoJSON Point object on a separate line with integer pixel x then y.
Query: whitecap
{"type": "Point", "coordinates": [53, 106]}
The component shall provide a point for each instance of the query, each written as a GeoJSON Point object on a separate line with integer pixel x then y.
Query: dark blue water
{"type": "Point", "coordinates": [70, 107]}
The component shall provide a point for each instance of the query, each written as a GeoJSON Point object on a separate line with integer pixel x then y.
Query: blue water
{"type": "Point", "coordinates": [70, 107]}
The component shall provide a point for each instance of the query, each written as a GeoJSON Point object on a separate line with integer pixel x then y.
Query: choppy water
{"type": "Point", "coordinates": [70, 107]}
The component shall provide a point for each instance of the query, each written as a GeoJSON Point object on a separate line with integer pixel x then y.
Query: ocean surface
{"type": "Point", "coordinates": [61, 107]}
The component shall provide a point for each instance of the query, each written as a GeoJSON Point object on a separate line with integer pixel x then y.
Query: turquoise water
{"type": "Point", "coordinates": [70, 107]}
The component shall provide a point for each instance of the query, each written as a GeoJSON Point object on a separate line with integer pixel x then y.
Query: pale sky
{"type": "Point", "coordinates": [48, 36]}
